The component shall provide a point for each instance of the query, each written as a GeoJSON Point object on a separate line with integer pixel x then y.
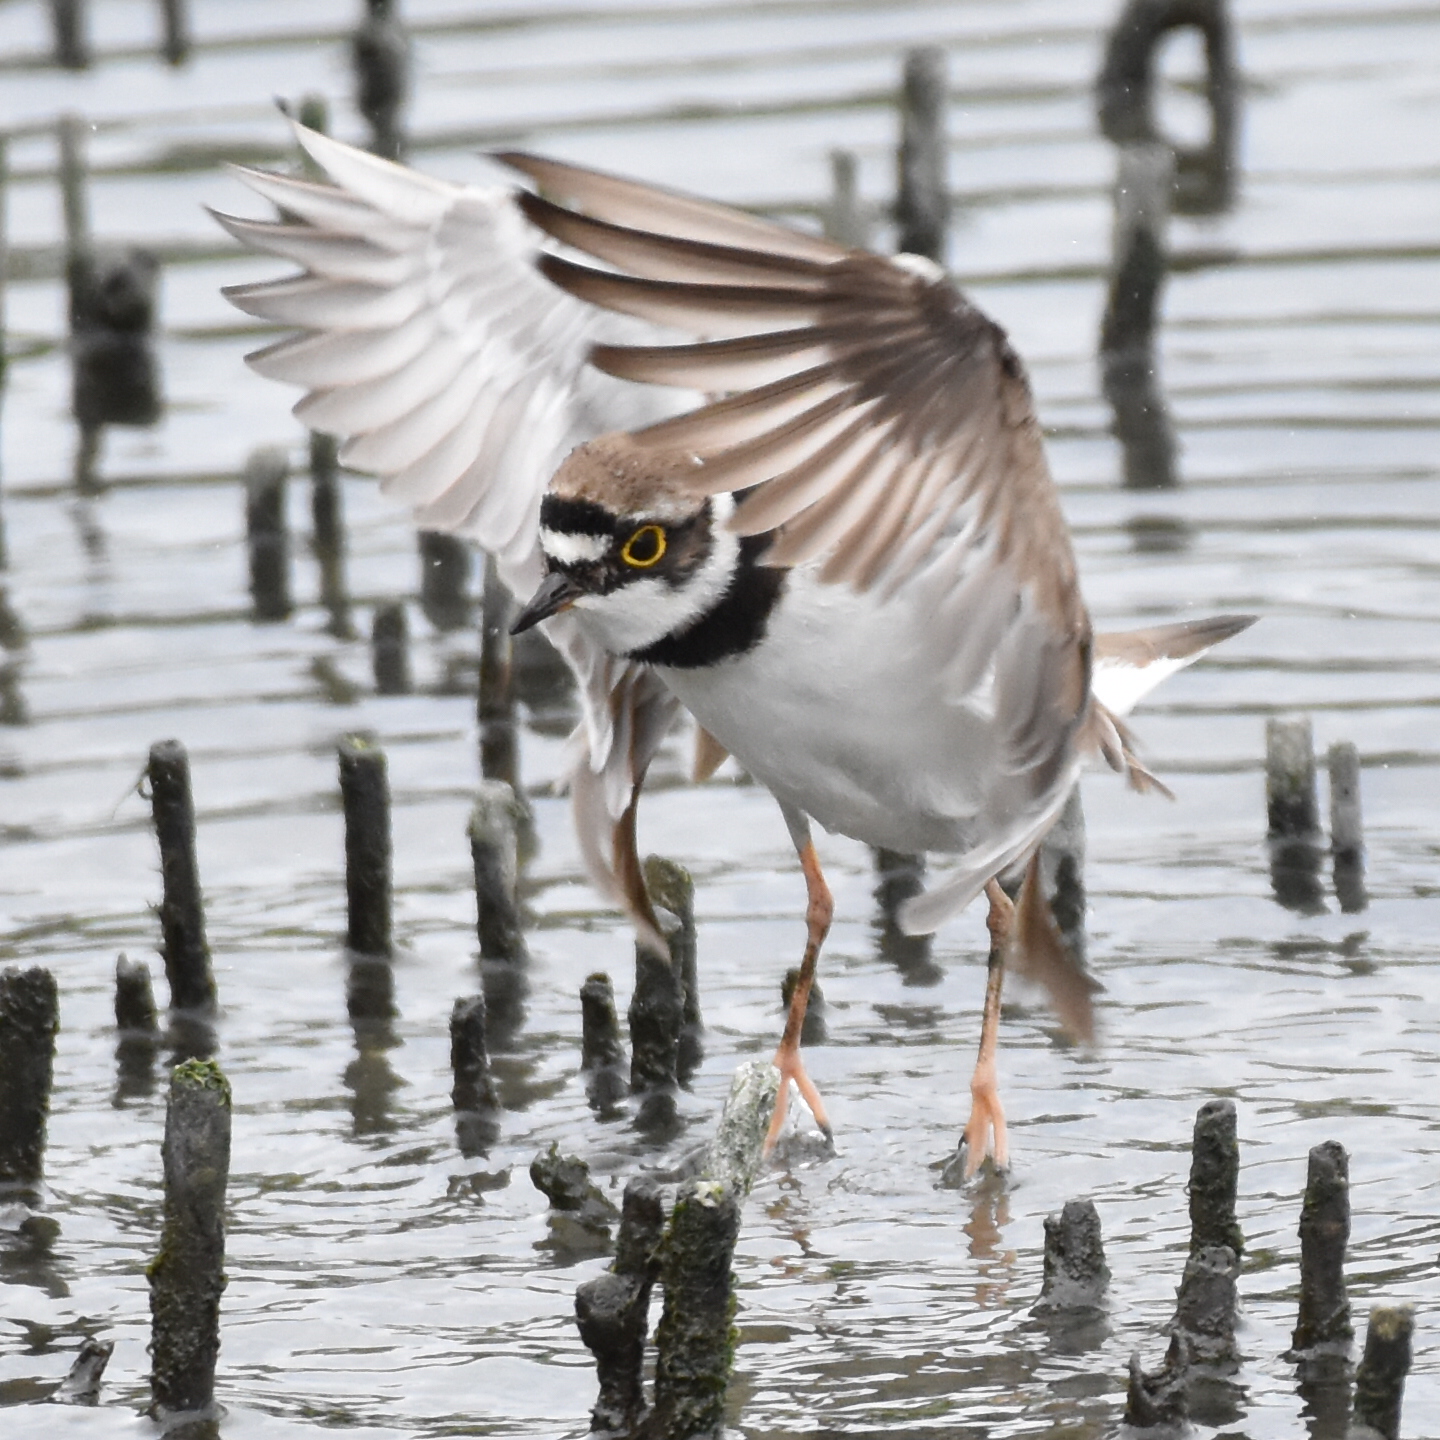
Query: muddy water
{"type": "Point", "coordinates": [381, 1284]}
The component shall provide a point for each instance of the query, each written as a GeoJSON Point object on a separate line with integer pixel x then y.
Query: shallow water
{"type": "Point", "coordinates": [380, 1284]}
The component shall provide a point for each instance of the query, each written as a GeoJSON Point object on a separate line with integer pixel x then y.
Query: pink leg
{"type": "Point", "coordinates": [818, 914]}
{"type": "Point", "coordinates": [985, 1129]}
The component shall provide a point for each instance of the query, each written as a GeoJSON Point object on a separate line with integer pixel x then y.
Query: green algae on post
{"type": "Point", "coordinates": [187, 1277]}
{"type": "Point", "coordinates": [696, 1335]}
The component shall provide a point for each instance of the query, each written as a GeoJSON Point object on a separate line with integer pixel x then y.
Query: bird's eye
{"type": "Point", "coordinates": [644, 548]}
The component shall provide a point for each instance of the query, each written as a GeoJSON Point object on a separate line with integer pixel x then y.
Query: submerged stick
{"type": "Point", "coordinates": [365, 790]}
{"type": "Point", "coordinates": [922, 207]}
{"type": "Point", "coordinates": [29, 1022]}
{"type": "Point", "coordinates": [182, 913]}
{"type": "Point", "coordinates": [82, 1385]}
{"type": "Point", "coordinates": [187, 1277]}
{"type": "Point", "coordinates": [1324, 1318]}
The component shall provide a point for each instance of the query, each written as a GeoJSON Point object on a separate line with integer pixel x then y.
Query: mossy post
{"type": "Point", "coordinates": [4, 269]}
{"type": "Point", "coordinates": [1292, 803]}
{"type": "Point", "coordinates": [29, 1021]}
{"type": "Point", "coordinates": [1076, 1275]}
{"type": "Point", "coordinates": [1324, 1318]}
{"type": "Point", "coordinates": [922, 205]}
{"type": "Point", "coordinates": [656, 1015]}
{"type": "Point", "coordinates": [175, 35]}
{"type": "Point", "coordinates": [473, 1091]}
{"type": "Point", "coordinates": [1158, 1398]}
{"type": "Point", "coordinates": [495, 819]}
{"type": "Point", "coordinates": [267, 472]}
{"type": "Point", "coordinates": [671, 889]}
{"type": "Point", "coordinates": [845, 215]}
{"type": "Point", "coordinates": [187, 1276]}
{"type": "Point", "coordinates": [182, 913]}
{"type": "Point", "coordinates": [1144, 177]}
{"type": "Point", "coordinates": [696, 1335]}
{"type": "Point", "coordinates": [602, 1054]}
{"type": "Point", "coordinates": [445, 562]}
{"type": "Point", "coordinates": [1215, 1178]}
{"type": "Point", "coordinates": [380, 53]}
{"type": "Point", "coordinates": [69, 21]}
{"type": "Point", "coordinates": [1380, 1380]}
{"type": "Point", "coordinates": [365, 791]}
{"type": "Point", "coordinates": [390, 649]}
{"type": "Point", "coordinates": [1205, 176]}
{"type": "Point", "coordinates": [137, 1028]}
{"type": "Point", "coordinates": [612, 1312]}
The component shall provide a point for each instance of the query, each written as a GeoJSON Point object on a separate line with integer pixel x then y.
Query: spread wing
{"type": "Point", "coordinates": [876, 425]}
{"type": "Point", "coordinates": [457, 375]}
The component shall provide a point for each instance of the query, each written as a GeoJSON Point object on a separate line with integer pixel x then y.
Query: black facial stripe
{"type": "Point", "coordinates": [734, 624]}
{"type": "Point", "coordinates": [575, 517]}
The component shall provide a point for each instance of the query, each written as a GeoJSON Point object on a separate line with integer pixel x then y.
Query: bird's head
{"type": "Point", "coordinates": [630, 546]}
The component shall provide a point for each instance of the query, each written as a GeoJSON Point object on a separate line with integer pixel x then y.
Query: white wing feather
{"type": "Point", "coordinates": [456, 374]}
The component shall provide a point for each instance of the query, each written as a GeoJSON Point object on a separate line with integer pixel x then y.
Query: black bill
{"type": "Point", "coordinates": [557, 592]}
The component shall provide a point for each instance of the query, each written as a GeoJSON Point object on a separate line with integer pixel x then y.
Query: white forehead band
{"type": "Point", "coordinates": [567, 547]}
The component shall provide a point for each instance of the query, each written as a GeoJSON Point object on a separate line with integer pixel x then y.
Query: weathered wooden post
{"type": "Point", "coordinates": [187, 1277]}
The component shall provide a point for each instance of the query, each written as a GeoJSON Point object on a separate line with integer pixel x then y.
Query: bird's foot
{"type": "Point", "coordinates": [985, 1129]}
{"type": "Point", "coordinates": [788, 1062]}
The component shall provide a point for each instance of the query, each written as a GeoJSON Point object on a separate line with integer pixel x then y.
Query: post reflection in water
{"type": "Point", "coordinates": [898, 877]}
{"type": "Point", "coordinates": [370, 1000]}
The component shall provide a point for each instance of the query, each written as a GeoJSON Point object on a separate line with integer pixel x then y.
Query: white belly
{"type": "Point", "coordinates": [839, 712]}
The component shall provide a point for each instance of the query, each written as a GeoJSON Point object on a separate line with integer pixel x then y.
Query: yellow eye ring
{"type": "Point", "coordinates": [644, 548]}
